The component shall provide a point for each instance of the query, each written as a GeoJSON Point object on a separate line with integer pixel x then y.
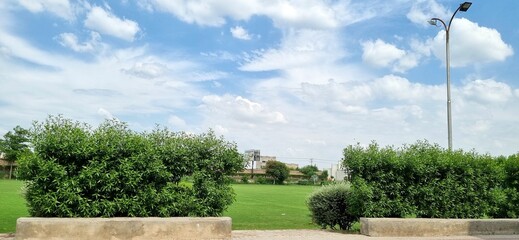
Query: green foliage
{"type": "Point", "coordinates": [329, 207]}
{"type": "Point", "coordinates": [324, 175]}
{"type": "Point", "coordinates": [277, 171]}
{"type": "Point", "coordinates": [14, 145]}
{"type": "Point", "coordinates": [245, 178]}
{"type": "Point", "coordinates": [309, 170]}
{"type": "Point", "coordinates": [508, 197]}
{"type": "Point", "coordinates": [425, 180]}
{"type": "Point", "coordinates": [112, 171]}
{"type": "Point", "coordinates": [305, 182]}
{"type": "Point", "coordinates": [263, 180]}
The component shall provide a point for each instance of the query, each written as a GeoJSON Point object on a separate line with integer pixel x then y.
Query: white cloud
{"type": "Point", "coordinates": [177, 122]}
{"type": "Point", "coordinates": [219, 129]}
{"type": "Point", "coordinates": [107, 23]}
{"type": "Point", "coordinates": [18, 47]}
{"type": "Point", "coordinates": [209, 13]}
{"type": "Point", "coordinates": [488, 91]}
{"type": "Point", "coordinates": [304, 14]}
{"type": "Point", "coordinates": [470, 44]}
{"type": "Point", "coordinates": [423, 10]}
{"type": "Point", "coordinates": [477, 127]}
{"type": "Point", "coordinates": [241, 109]}
{"type": "Point", "coordinates": [399, 88]}
{"type": "Point", "coordinates": [199, 76]}
{"type": "Point", "coordinates": [89, 87]}
{"type": "Point", "coordinates": [61, 8]}
{"type": "Point", "coordinates": [285, 14]}
{"type": "Point", "coordinates": [380, 54]}
{"type": "Point", "coordinates": [145, 4]}
{"type": "Point", "coordinates": [71, 41]}
{"type": "Point", "coordinates": [408, 61]}
{"type": "Point", "coordinates": [240, 33]}
{"type": "Point", "coordinates": [150, 69]}
{"type": "Point", "coordinates": [299, 48]}
{"type": "Point", "coordinates": [105, 113]}
{"type": "Point", "coordinates": [337, 97]}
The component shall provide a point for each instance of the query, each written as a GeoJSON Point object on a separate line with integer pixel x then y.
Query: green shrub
{"type": "Point", "coordinates": [245, 179]}
{"type": "Point", "coordinates": [329, 207]}
{"type": "Point", "coordinates": [263, 180]}
{"type": "Point", "coordinates": [509, 193]}
{"type": "Point", "coordinates": [425, 180]}
{"type": "Point", "coordinates": [305, 182]}
{"type": "Point", "coordinates": [112, 171]}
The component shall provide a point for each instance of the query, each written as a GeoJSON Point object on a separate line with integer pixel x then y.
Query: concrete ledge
{"type": "Point", "coordinates": [123, 228]}
{"type": "Point", "coordinates": [430, 227]}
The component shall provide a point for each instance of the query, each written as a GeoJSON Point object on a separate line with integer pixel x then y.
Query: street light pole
{"type": "Point", "coordinates": [463, 7]}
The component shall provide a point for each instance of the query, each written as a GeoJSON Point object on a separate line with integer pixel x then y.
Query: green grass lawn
{"type": "Point", "coordinates": [12, 205]}
{"type": "Point", "coordinates": [270, 207]}
{"type": "Point", "coordinates": [256, 206]}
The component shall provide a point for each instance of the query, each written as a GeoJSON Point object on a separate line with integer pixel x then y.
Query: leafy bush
{"type": "Point", "coordinates": [245, 179]}
{"type": "Point", "coordinates": [309, 170]}
{"type": "Point", "coordinates": [305, 182]}
{"type": "Point", "coordinates": [112, 171]}
{"type": "Point", "coordinates": [508, 197]}
{"type": "Point", "coordinates": [263, 180]}
{"type": "Point", "coordinates": [425, 180]}
{"type": "Point", "coordinates": [329, 206]}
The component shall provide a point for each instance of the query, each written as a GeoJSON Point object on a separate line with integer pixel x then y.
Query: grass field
{"type": "Point", "coordinates": [256, 206]}
{"type": "Point", "coordinates": [12, 205]}
{"type": "Point", "coordinates": [270, 207]}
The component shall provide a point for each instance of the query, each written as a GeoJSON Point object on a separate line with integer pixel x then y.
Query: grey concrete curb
{"type": "Point", "coordinates": [123, 228]}
{"type": "Point", "coordinates": [426, 227]}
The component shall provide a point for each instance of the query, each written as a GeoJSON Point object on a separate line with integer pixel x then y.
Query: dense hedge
{"type": "Point", "coordinates": [425, 180]}
{"type": "Point", "coordinates": [112, 171]}
{"type": "Point", "coordinates": [508, 198]}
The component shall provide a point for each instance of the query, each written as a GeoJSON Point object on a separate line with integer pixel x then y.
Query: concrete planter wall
{"type": "Point", "coordinates": [428, 227]}
{"type": "Point", "coordinates": [123, 228]}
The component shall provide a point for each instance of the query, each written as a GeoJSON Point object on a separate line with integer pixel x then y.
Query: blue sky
{"type": "Point", "coordinates": [299, 80]}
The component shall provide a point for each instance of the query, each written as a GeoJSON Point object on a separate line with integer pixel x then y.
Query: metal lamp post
{"type": "Point", "coordinates": [434, 21]}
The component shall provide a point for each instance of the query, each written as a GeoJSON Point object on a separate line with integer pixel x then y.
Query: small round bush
{"type": "Point", "coordinates": [329, 206]}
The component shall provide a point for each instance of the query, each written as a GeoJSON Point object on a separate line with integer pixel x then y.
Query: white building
{"type": "Point", "coordinates": [338, 172]}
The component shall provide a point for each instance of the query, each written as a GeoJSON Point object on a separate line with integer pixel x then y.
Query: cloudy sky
{"type": "Point", "coordinates": [297, 79]}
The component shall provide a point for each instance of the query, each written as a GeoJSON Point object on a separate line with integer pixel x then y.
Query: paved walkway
{"type": "Point", "coordinates": [326, 235]}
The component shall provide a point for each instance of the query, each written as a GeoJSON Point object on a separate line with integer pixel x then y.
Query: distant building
{"type": "Point", "coordinates": [256, 161]}
{"type": "Point", "coordinates": [261, 172]}
{"type": "Point", "coordinates": [338, 172]}
{"type": "Point", "coordinates": [262, 163]}
{"type": "Point", "coordinates": [292, 166]}
{"type": "Point", "coordinates": [6, 168]}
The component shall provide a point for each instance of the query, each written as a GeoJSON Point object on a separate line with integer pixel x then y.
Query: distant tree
{"type": "Point", "coordinates": [277, 170]}
{"type": "Point", "coordinates": [309, 171]}
{"type": "Point", "coordinates": [14, 144]}
{"type": "Point", "coordinates": [324, 175]}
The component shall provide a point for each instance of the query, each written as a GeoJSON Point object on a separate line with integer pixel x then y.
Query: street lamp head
{"type": "Point", "coordinates": [433, 22]}
{"type": "Point", "coordinates": [465, 6]}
